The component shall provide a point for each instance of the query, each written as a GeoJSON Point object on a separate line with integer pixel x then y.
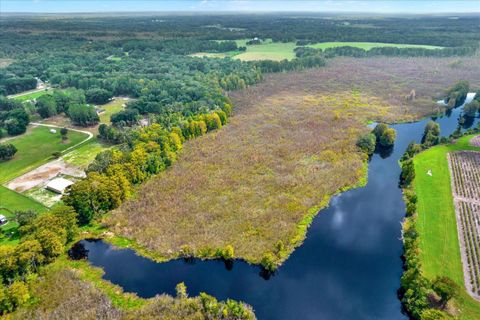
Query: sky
{"type": "Point", "coordinates": [367, 6]}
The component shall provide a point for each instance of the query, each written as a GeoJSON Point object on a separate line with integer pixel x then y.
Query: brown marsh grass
{"type": "Point", "coordinates": [289, 146]}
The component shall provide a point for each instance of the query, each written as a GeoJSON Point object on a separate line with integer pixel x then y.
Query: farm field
{"type": "Point", "coordinates": [277, 51]}
{"type": "Point", "coordinates": [271, 162]}
{"type": "Point", "coordinates": [464, 171]}
{"type": "Point", "coordinates": [82, 156]}
{"type": "Point", "coordinates": [369, 45]}
{"type": "Point", "coordinates": [268, 50]}
{"type": "Point", "coordinates": [34, 149]}
{"type": "Point", "coordinates": [440, 252]}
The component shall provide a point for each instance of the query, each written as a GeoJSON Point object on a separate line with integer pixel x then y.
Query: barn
{"type": "Point", "coordinates": [58, 185]}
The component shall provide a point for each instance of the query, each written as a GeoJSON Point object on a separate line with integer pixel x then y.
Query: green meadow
{"type": "Point", "coordinates": [269, 50]}
{"type": "Point", "coordinates": [34, 149]}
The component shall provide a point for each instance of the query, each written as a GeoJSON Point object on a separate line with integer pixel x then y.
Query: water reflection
{"type": "Point", "coordinates": [349, 266]}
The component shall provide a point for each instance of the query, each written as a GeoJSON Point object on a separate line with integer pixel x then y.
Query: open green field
{"type": "Point", "coordinates": [436, 224]}
{"type": "Point", "coordinates": [32, 95]}
{"type": "Point", "coordinates": [13, 201]}
{"type": "Point", "coordinates": [83, 155]}
{"type": "Point", "coordinates": [369, 45]}
{"type": "Point", "coordinates": [268, 50]}
{"type": "Point", "coordinates": [34, 149]}
{"type": "Point", "coordinates": [110, 108]}
{"type": "Point", "coordinates": [277, 51]}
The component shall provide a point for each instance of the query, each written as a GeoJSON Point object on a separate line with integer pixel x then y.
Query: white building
{"type": "Point", "coordinates": [3, 219]}
{"type": "Point", "coordinates": [58, 185]}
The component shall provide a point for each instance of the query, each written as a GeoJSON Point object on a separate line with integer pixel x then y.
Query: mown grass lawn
{"type": "Point", "coordinates": [436, 224]}
{"type": "Point", "coordinates": [369, 45]}
{"type": "Point", "coordinates": [111, 108]}
{"type": "Point", "coordinates": [11, 201]}
{"type": "Point", "coordinates": [34, 149]}
{"type": "Point", "coordinates": [32, 95]}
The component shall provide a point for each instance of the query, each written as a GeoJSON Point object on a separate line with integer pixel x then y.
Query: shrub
{"type": "Point", "coordinates": [367, 143]}
{"type": "Point", "coordinates": [7, 151]}
{"type": "Point", "coordinates": [408, 173]}
{"type": "Point", "coordinates": [268, 262]}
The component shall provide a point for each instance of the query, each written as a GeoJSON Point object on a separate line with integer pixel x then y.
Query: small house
{"type": "Point", "coordinates": [58, 185]}
{"type": "Point", "coordinates": [3, 219]}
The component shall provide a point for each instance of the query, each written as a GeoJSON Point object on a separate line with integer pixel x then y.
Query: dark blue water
{"type": "Point", "coordinates": [349, 267]}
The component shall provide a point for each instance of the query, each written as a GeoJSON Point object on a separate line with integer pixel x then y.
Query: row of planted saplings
{"type": "Point", "coordinates": [469, 215]}
{"type": "Point", "coordinates": [466, 172]}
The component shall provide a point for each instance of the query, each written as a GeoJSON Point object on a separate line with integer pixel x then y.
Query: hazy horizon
{"type": "Point", "coordinates": [245, 6]}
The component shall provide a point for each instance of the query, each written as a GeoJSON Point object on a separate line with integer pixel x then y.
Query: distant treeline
{"type": "Point", "coordinates": [431, 30]}
{"type": "Point", "coordinates": [350, 51]}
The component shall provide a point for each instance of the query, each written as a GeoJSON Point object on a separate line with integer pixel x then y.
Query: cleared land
{"type": "Point", "coordinates": [34, 149]}
{"type": "Point", "coordinates": [268, 50]}
{"type": "Point", "coordinates": [436, 224]}
{"type": "Point", "coordinates": [290, 145]}
{"type": "Point", "coordinates": [369, 45]}
{"type": "Point", "coordinates": [11, 201]}
{"type": "Point", "coordinates": [277, 51]}
{"type": "Point", "coordinates": [465, 172]}
{"type": "Point", "coordinates": [112, 107]}
{"type": "Point", "coordinates": [32, 95]}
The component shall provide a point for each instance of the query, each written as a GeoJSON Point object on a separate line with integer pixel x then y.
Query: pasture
{"type": "Point", "coordinates": [267, 50]}
{"type": "Point", "coordinates": [436, 224]}
{"type": "Point", "coordinates": [11, 201]}
{"type": "Point", "coordinates": [289, 146]}
{"type": "Point", "coordinates": [32, 95]}
{"type": "Point", "coordinates": [34, 149]}
{"type": "Point", "coordinates": [110, 108]}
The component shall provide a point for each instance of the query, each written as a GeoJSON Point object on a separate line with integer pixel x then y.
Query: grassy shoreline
{"type": "Point", "coordinates": [436, 220]}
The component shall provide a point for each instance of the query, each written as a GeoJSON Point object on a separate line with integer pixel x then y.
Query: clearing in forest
{"type": "Point", "coordinates": [465, 172]}
{"type": "Point", "coordinates": [36, 148]}
{"type": "Point", "coordinates": [289, 146]}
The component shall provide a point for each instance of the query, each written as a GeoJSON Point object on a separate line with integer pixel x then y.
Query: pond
{"type": "Point", "coordinates": [349, 266]}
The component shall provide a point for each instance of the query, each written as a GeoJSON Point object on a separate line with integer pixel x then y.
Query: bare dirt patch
{"type": "Point", "coordinates": [43, 174]}
{"type": "Point", "coordinates": [465, 172]}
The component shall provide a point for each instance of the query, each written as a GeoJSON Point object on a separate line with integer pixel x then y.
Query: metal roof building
{"type": "Point", "coordinates": [58, 185]}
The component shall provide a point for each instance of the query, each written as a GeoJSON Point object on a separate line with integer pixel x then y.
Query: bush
{"type": "Point", "coordinates": [471, 109]}
{"type": "Point", "coordinates": [268, 262]}
{"type": "Point", "coordinates": [7, 151]}
{"type": "Point", "coordinates": [367, 143]}
{"type": "Point", "coordinates": [408, 173]}
{"type": "Point", "coordinates": [385, 136]}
